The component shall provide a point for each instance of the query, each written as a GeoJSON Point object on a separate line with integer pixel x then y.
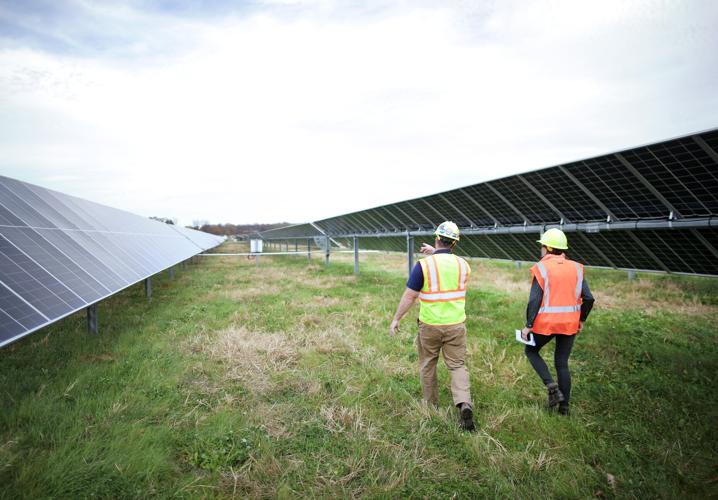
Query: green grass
{"type": "Point", "coordinates": [284, 383]}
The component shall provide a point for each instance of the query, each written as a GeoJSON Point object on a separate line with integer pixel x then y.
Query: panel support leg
{"type": "Point", "coordinates": [327, 250]}
{"type": "Point", "coordinates": [309, 251]}
{"type": "Point", "coordinates": [410, 252]}
{"type": "Point", "coordinates": [148, 287]}
{"type": "Point", "coordinates": [171, 272]}
{"type": "Point", "coordinates": [356, 255]}
{"type": "Point", "coordinates": [631, 275]}
{"type": "Point", "coordinates": [256, 260]}
{"type": "Point", "coordinates": [92, 318]}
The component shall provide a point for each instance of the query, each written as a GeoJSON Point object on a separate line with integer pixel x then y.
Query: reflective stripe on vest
{"type": "Point", "coordinates": [442, 296]}
{"type": "Point", "coordinates": [546, 307]}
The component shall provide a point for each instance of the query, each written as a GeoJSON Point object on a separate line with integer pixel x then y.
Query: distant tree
{"type": "Point", "coordinates": [166, 220]}
{"type": "Point", "coordinates": [229, 229]}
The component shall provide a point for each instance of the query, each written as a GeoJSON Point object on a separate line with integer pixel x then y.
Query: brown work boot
{"type": "Point", "coordinates": [467, 417]}
{"type": "Point", "coordinates": [555, 396]}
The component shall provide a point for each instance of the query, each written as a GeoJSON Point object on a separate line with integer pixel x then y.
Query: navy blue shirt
{"type": "Point", "coordinates": [416, 278]}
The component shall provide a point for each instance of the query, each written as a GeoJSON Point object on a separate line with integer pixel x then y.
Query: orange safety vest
{"type": "Point", "coordinates": [561, 280]}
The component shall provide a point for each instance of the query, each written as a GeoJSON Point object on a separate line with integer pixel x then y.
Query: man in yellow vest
{"type": "Point", "coordinates": [559, 303]}
{"type": "Point", "coordinates": [439, 282]}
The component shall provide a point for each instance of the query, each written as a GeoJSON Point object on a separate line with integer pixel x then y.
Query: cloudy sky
{"type": "Point", "coordinates": [284, 110]}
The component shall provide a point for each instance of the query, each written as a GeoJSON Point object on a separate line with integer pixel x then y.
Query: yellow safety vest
{"type": "Point", "coordinates": [443, 295]}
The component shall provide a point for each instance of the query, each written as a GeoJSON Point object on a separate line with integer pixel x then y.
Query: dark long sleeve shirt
{"type": "Point", "coordinates": [536, 297]}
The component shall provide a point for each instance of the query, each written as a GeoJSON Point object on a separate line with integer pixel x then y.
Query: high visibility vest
{"type": "Point", "coordinates": [561, 280]}
{"type": "Point", "coordinates": [443, 295]}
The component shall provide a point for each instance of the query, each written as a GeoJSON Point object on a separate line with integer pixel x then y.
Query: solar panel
{"type": "Point", "coordinates": [606, 202]}
{"type": "Point", "coordinates": [60, 254]}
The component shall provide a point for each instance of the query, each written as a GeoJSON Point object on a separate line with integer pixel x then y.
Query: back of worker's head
{"type": "Point", "coordinates": [553, 251]}
{"type": "Point", "coordinates": [444, 242]}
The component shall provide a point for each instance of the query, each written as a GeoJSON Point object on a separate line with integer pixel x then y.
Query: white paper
{"type": "Point", "coordinates": [531, 341]}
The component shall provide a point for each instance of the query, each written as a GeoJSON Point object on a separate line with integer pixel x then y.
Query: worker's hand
{"type": "Point", "coordinates": [426, 249]}
{"type": "Point", "coordinates": [525, 333]}
{"type": "Point", "coordinates": [580, 325]}
{"type": "Point", "coordinates": [394, 327]}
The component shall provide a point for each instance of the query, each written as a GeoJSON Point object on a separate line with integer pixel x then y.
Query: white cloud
{"type": "Point", "coordinates": [272, 117]}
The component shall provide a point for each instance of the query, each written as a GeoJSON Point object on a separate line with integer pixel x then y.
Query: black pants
{"type": "Point", "coordinates": [564, 344]}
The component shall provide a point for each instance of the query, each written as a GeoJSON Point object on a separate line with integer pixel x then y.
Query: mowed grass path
{"type": "Point", "coordinates": [282, 382]}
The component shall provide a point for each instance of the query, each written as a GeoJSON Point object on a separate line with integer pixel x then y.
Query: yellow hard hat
{"type": "Point", "coordinates": [554, 238]}
{"type": "Point", "coordinates": [448, 230]}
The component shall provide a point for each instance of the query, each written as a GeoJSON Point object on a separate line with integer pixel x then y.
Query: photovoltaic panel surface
{"type": "Point", "coordinates": [59, 254]}
{"type": "Point", "coordinates": [651, 207]}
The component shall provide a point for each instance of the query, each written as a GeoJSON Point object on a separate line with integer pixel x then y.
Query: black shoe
{"type": "Point", "coordinates": [555, 396]}
{"type": "Point", "coordinates": [563, 410]}
{"type": "Point", "coordinates": [467, 417]}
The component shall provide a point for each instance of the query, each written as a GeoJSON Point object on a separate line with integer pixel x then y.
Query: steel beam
{"type": "Point", "coordinates": [327, 250]}
{"type": "Point", "coordinates": [410, 252]}
{"type": "Point", "coordinates": [92, 318]}
{"type": "Point", "coordinates": [356, 255]}
{"type": "Point", "coordinates": [148, 287]}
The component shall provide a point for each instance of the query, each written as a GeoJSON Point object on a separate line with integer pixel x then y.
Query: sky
{"type": "Point", "coordinates": [292, 110]}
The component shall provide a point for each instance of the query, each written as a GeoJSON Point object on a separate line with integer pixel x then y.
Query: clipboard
{"type": "Point", "coordinates": [531, 341]}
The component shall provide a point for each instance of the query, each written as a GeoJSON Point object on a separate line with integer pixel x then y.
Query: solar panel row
{"type": "Point", "coordinates": [669, 182]}
{"type": "Point", "coordinates": [59, 254]}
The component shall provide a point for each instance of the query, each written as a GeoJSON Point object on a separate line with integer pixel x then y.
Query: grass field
{"type": "Point", "coordinates": [283, 382]}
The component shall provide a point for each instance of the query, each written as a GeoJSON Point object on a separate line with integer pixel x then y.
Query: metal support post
{"type": "Point", "coordinates": [309, 251]}
{"type": "Point", "coordinates": [356, 255]}
{"type": "Point", "coordinates": [327, 250]}
{"type": "Point", "coordinates": [296, 246]}
{"type": "Point", "coordinates": [410, 251]}
{"type": "Point", "coordinates": [518, 264]}
{"type": "Point", "coordinates": [171, 272]}
{"type": "Point", "coordinates": [256, 260]}
{"type": "Point", "coordinates": [148, 287]}
{"type": "Point", "coordinates": [631, 275]}
{"type": "Point", "coordinates": [92, 318]}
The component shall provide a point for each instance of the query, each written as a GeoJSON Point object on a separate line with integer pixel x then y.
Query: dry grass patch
{"type": "Point", "coordinates": [640, 295]}
{"type": "Point", "coordinates": [272, 418]}
{"type": "Point", "coordinates": [339, 419]}
{"type": "Point", "coordinates": [250, 357]}
{"type": "Point", "coordinates": [242, 293]}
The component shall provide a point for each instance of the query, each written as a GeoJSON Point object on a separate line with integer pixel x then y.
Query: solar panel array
{"type": "Point", "coordinates": [652, 207]}
{"type": "Point", "coordinates": [60, 254]}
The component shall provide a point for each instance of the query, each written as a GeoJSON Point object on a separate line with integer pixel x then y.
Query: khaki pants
{"type": "Point", "coordinates": [451, 341]}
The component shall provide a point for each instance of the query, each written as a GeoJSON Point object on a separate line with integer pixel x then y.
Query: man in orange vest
{"type": "Point", "coordinates": [559, 303]}
{"type": "Point", "coordinates": [439, 282]}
